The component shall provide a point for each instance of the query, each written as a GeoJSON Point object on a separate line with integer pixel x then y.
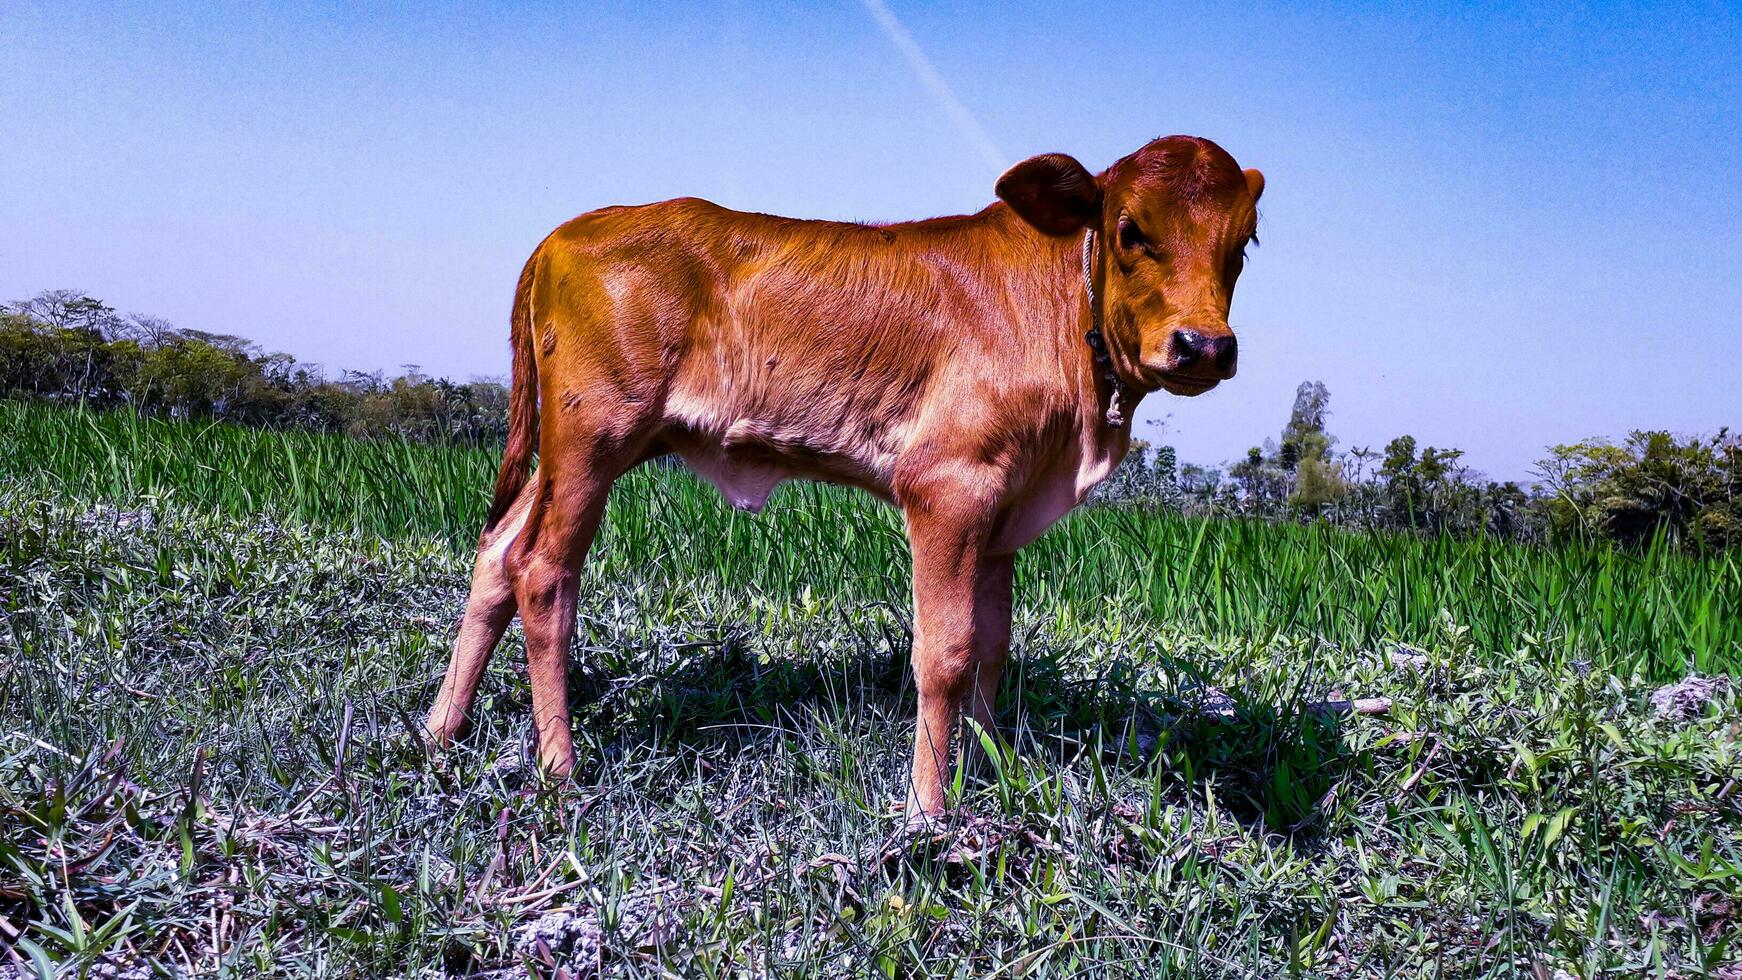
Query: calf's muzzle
{"type": "Point", "coordinates": [1202, 354]}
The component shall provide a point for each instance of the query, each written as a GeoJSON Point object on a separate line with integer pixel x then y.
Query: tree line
{"type": "Point", "coordinates": [1653, 483]}
{"type": "Point", "coordinates": [63, 345]}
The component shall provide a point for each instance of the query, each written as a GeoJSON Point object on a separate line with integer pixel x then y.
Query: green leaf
{"type": "Point", "coordinates": [1558, 826]}
{"type": "Point", "coordinates": [39, 958]}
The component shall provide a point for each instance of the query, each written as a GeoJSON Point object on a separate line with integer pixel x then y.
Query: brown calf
{"type": "Point", "coordinates": [974, 371]}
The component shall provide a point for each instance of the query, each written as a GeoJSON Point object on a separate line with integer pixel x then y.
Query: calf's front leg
{"type": "Point", "coordinates": [993, 590]}
{"type": "Point", "coordinates": [961, 630]}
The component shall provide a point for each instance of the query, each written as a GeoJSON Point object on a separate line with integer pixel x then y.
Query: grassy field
{"type": "Point", "coordinates": [217, 640]}
{"type": "Point", "coordinates": [1661, 613]}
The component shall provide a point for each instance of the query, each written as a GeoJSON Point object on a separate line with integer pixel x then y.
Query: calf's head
{"type": "Point", "coordinates": [1172, 222]}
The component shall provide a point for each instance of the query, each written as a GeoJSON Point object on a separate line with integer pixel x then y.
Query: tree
{"type": "Point", "coordinates": [1399, 461]}
{"type": "Point", "coordinates": [1312, 405]}
{"type": "Point", "coordinates": [1306, 451]}
{"type": "Point", "coordinates": [1166, 478]}
{"type": "Point", "coordinates": [1201, 486]}
{"type": "Point", "coordinates": [1254, 483]}
{"type": "Point", "coordinates": [1437, 465]}
{"type": "Point", "coordinates": [70, 309]}
{"type": "Point", "coordinates": [146, 330]}
{"type": "Point", "coordinates": [1651, 483]}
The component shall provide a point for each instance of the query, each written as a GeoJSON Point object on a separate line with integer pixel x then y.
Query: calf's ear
{"type": "Point", "coordinates": [1255, 184]}
{"type": "Point", "coordinates": [1052, 192]}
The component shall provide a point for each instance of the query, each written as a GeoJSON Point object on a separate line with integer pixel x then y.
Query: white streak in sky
{"type": "Point", "coordinates": [970, 127]}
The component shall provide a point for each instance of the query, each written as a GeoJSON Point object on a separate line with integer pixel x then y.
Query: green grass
{"type": "Point", "coordinates": [1661, 611]}
{"type": "Point", "coordinates": [208, 670]}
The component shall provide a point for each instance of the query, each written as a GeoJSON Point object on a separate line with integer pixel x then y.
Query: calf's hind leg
{"type": "Point", "coordinates": [531, 564]}
{"type": "Point", "coordinates": [489, 610]}
{"type": "Point", "coordinates": [545, 562]}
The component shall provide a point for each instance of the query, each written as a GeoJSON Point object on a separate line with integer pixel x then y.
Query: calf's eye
{"type": "Point", "coordinates": [1130, 236]}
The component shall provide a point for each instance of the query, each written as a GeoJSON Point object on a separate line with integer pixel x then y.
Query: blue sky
{"type": "Point", "coordinates": [1492, 228]}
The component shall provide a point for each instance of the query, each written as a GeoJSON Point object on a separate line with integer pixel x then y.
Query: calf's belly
{"type": "Point", "coordinates": [747, 442]}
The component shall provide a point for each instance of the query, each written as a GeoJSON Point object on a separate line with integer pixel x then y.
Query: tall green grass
{"type": "Point", "coordinates": [1660, 610]}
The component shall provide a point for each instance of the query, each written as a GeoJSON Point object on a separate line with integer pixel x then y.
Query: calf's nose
{"type": "Point", "coordinates": [1189, 348]}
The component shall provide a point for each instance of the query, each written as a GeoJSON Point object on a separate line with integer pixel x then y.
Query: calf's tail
{"type": "Point", "coordinates": [522, 402]}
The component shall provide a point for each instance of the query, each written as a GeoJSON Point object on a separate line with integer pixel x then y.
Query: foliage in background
{"type": "Point", "coordinates": [1651, 481]}
{"type": "Point", "coordinates": [1652, 485]}
{"type": "Point", "coordinates": [1303, 478]}
{"type": "Point", "coordinates": [64, 346]}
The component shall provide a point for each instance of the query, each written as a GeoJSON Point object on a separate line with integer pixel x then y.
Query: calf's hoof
{"type": "Point", "coordinates": [920, 816]}
{"type": "Point", "coordinates": [439, 733]}
{"type": "Point", "coordinates": [557, 767]}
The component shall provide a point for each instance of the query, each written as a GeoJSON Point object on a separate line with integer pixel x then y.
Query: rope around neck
{"type": "Point", "coordinates": [1118, 393]}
